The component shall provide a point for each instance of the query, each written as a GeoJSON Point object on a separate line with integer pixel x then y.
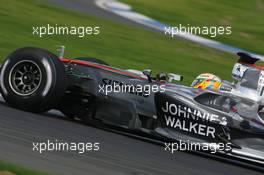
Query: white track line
{"type": "Point", "coordinates": [125, 11]}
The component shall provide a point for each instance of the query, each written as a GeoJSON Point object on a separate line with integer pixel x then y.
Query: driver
{"type": "Point", "coordinates": [162, 77]}
{"type": "Point", "coordinates": [207, 81]}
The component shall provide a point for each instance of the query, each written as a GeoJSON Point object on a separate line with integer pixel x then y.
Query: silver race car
{"type": "Point", "coordinates": [229, 120]}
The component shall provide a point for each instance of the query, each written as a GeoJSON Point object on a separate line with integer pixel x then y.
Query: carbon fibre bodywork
{"type": "Point", "coordinates": [178, 113]}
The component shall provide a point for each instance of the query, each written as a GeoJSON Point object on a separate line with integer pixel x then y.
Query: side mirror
{"type": "Point", "coordinates": [175, 77]}
{"type": "Point", "coordinates": [147, 72]}
{"type": "Point", "coordinates": [238, 71]}
{"type": "Point", "coordinates": [61, 50]}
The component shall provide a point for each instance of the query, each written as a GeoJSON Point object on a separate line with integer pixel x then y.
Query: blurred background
{"type": "Point", "coordinates": [130, 46]}
{"type": "Point", "coordinates": [127, 45]}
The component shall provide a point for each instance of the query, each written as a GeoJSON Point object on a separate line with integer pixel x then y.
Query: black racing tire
{"type": "Point", "coordinates": [32, 79]}
{"type": "Point", "coordinates": [93, 60]}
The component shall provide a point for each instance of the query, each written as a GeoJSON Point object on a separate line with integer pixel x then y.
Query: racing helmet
{"type": "Point", "coordinates": [162, 77]}
{"type": "Point", "coordinates": [207, 81]}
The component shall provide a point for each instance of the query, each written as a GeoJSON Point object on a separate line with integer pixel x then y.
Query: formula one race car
{"type": "Point", "coordinates": [36, 80]}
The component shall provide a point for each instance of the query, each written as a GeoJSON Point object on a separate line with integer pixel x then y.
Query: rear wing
{"type": "Point", "coordinates": [247, 58]}
{"type": "Point", "coordinates": [245, 62]}
{"type": "Point", "coordinates": [249, 77]}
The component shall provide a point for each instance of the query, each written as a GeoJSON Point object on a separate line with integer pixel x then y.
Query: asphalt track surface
{"type": "Point", "coordinates": [118, 153]}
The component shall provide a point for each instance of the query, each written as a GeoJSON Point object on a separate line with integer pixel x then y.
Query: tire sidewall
{"type": "Point", "coordinates": [42, 98]}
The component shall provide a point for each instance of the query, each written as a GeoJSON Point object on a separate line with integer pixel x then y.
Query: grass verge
{"type": "Point", "coordinates": [17, 170]}
{"type": "Point", "coordinates": [120, 45]}
{"type": "Point", "coordinates": [245, 18]}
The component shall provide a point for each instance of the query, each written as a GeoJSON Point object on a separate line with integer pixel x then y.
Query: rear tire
{"type": "Point", "coordinates": [32, 79]}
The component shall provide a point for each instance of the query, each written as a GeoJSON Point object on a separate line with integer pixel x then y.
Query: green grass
{"type": "Point", "coordinates": [118, 44]}
{"type": "Point", "coordinates": [245, 17]}
{"type": "Point", "coordinates": [17, 169]}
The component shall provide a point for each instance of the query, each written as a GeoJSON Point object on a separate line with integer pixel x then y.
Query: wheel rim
{"type": "Point", "coordinates": [25, 77]}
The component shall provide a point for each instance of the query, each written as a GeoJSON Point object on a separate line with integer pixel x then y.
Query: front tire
{"type": "Point", "coordinates": [32, 79]}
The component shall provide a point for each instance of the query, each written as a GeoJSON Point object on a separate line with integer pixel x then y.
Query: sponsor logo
{"type": "Point", "coordinates": [188, 112]}
{"type": "Point", "coordinates": [190, 120]}
{"type": "Point", "coordinates": [195, 128]}
{"type": "Point", "coordinates": [261, 83]}
{"type": "Point", "coordinates": [225, 88]}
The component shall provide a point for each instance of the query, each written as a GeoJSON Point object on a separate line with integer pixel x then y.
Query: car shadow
{"type": "Point", "coordinates": [55, 114]}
